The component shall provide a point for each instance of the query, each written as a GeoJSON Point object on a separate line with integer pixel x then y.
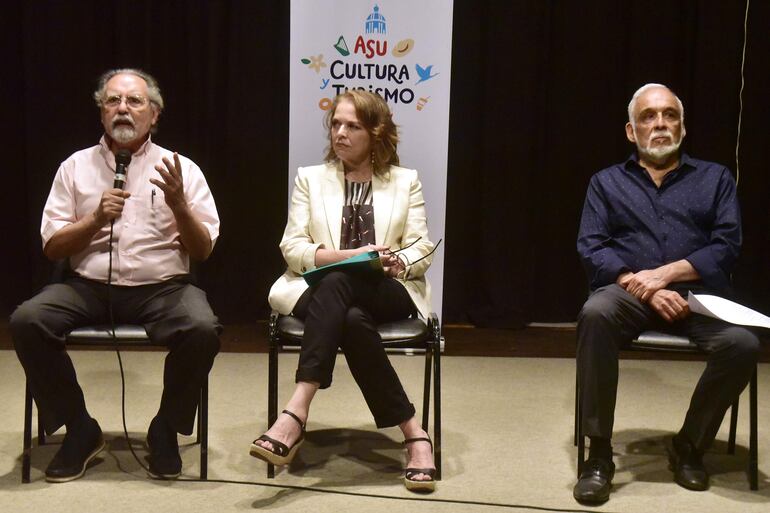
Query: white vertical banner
{"type": "Point", "coordinates": [401, 49]}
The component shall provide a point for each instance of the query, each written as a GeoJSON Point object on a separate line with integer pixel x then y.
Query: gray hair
{"type": "Point", "coordinates": [645, 87]}
{"type": "Point", "coordinates": [153, 90]}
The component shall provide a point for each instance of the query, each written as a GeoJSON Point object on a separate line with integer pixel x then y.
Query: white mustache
{"type": "Point", "coordinates": [660, 133]}
{"type": "Point", "coordinates": [123, 119]}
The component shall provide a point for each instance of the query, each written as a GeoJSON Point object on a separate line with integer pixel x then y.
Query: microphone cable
{"type": "Point", "coordinates": [415, 498]}
{"type": "Point", "coordinates": [122, 161]}
{"type": "Point", "coordinates": [117, 352]}
{"type": "Point", "coordinates": [273, 485]}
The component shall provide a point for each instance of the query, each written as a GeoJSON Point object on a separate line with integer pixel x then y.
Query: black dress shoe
{"type": "Point", "coordinates": [593, 486]}
{"type": "Point", "coordinates": [165, 462]}
{"type": "Point", "coordinates": [77, 450]}
{"type": "Point", "coordinates": [687, 464]}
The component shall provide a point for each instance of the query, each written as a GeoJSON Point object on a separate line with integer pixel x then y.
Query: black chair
{"type": "Point", "coordinates": [408, 336]}
{"type": "Point", "coordinates": [127, 336]}
{"type": "Point", "coordinates": [657, 341]}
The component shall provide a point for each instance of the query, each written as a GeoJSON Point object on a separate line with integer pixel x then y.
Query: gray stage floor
{"type": "Point", "coordinates": [507, 441]}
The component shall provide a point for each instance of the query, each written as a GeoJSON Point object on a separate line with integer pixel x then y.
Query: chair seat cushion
{"type": "Point", "coordinates": [290, 329]}
{"type": "Point", "coordinates": [407, 332]}
{"type": "Point", "coordinates": [656, 340]}
{"type": "Point", "coordinates": [96, 335]}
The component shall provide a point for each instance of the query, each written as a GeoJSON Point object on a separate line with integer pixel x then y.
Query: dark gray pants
{"type": "Point", "coordinates": [343, 311]}
{"type": "Point", "coordinates": [174, 313]}
{"type": "Point", "coordinates": [612, 317]}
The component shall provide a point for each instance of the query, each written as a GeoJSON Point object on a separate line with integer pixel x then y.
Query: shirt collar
{"type": "Point", "coordinates": [632, 162]}
{"type": "Point", "coordinates": [110, 157]}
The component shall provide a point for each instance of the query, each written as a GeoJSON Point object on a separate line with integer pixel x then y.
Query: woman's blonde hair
{"type": "Point", "coordinates": [376, 118]}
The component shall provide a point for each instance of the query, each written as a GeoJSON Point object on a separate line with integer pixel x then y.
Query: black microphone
{"type": "Point", "coordinates": [122, 160]}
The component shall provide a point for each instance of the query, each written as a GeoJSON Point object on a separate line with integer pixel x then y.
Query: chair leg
{"type": "Point", "coordinates": [580, 440]}
{"type": "Point", "coordinates": [577, 409]}
{"type": "Point", "coordinates": [272, 395]}
{"type": "Point", "coordinates": [753, 449]}
{"type": "Point", "coordinates": [733, 427]}
{"type": "Point", "coordinates": [26, 454]}
{"type": "Point", "coordinates": [426, 389]}
{"type": "Point", "coordinates": [581, 455]}
{"type": "Point", "coordinates": [40, 430]}
{"type": "Point", "coordinates": [203, 428]}
{"type": "Point", "coordinates": [437, 406]}
{"type": "Point", "coordinates": [198, 420]}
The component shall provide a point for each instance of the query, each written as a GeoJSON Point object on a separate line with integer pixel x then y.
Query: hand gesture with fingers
{"type": "Point", "coordinates": [172, 184]}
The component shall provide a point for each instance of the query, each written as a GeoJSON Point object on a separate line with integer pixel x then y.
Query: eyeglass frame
{"type": "Point", "coordinates": [407, 266]}
{"type": "Point", "coordinates": [114, 100]}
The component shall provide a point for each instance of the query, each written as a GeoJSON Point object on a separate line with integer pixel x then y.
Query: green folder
{"type": "Point", "coordinates": [364, 263]}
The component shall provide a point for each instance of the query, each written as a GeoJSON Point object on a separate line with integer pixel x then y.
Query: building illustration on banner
{"type": "Point", "coordinates": [375, 22]}
{"type": "Point", "coordinates": [367, 65]}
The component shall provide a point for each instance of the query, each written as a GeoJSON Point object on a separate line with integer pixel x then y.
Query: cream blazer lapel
{"type": "Point", "coordinates": [333, 197]}
{"type": "Point", "coordinates": [383, 198]}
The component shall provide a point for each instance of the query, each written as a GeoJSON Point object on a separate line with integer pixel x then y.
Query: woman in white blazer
{"type": "Point", "coordinates": [358, 201]}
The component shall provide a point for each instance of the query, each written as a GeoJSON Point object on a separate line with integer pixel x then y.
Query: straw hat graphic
{"type": "Point", "coordinates": [403, 47]}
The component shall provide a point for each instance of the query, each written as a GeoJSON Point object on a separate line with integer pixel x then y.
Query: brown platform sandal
{"type": "Point", "coordinates": [280, 454]}
{"type": "Point", "coordinates": [415, 485]}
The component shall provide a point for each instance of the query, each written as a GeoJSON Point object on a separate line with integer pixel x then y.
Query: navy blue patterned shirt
{"type": "Point", "coordinates": [630, 224]}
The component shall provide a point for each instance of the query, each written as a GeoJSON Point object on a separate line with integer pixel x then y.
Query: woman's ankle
{"type": "Point", "coordinates": [412, 429]}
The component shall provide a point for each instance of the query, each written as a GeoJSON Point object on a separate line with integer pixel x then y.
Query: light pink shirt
{"type": "Point", "coordinates": [146, 244]}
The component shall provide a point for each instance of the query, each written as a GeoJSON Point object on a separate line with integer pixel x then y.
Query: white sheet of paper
{"type": "Point", "coordinates": [730, 311]}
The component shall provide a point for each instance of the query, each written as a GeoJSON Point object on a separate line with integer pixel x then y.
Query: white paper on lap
{"type": "Point", "coordinates": [726, 310]}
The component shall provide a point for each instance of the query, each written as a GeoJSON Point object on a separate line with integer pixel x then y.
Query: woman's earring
{"type": "Point", "coordinates": [372, 158]}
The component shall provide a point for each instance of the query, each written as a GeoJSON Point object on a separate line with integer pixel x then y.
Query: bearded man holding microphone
{"type": "Point", "coordinates": [128, 238]}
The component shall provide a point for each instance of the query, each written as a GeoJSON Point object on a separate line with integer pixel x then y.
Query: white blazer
{"type": "Point", "coordinates": [315, 221]}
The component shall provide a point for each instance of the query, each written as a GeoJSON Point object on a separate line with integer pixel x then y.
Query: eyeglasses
{"type": "Point", "coordinates": [134, 101]}
{"type": "Point", "coordinates": [435, 247]}
{"type": "Point", "coordinates": [407, 246]}
{"type": "Point", "coordinates": [409, 265]}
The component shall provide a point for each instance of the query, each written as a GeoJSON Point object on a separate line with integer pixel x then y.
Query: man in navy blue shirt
{"type": "Point", "coordinates": [653, 228]}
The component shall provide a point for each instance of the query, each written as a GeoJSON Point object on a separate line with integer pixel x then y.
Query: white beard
{"type": "Point", "coordinates": [658, 154]}
{"type": "Point", "coordinates": [123, 134]}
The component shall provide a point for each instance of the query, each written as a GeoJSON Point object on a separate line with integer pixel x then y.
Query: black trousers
{"type": "Point", "coordinates": [343, 311]}
{"type": "Point", "coordinates": [174, 313]}
{"type": "Point", "coordinates": [612, 317]}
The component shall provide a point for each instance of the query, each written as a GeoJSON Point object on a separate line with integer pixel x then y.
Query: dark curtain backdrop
{"type": "Point", "coordinates": [539, 95]}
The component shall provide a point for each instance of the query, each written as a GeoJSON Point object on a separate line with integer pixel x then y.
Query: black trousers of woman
{"type": "Point", "coordinates": [343, 311]}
